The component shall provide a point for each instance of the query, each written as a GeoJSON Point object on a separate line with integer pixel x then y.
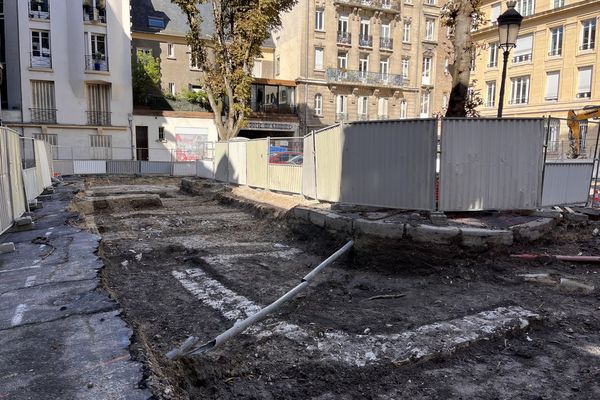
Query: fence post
{"type": "Point", "coordinates": [314, 154]}
{"type": "Point", "coordinates": [267, 161]}
{"type": "Point", "coordinates": [541, 195]}
{"type": "Point", "coordinates": [594, 177]}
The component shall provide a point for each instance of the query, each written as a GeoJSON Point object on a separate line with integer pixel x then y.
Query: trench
{"type": "Point", "coordinates": [260, 258]}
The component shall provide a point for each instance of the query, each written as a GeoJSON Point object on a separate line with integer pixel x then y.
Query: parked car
{"type": "Point", "coordinates": [283, 157]}
{"type": "Point", "coordinates": [297, 160]}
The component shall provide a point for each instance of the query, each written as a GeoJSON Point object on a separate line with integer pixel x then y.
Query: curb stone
{"type": "Point", "coordinates": [533, 230]}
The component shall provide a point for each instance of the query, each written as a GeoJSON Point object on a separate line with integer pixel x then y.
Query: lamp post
{"type": "Point", "coordinates": [509, 24]}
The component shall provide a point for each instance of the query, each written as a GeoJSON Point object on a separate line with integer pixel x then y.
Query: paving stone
{"type": "Point", "coordinates": [433, 234]}
{"type": "Point", "coordinates": [379, 228]}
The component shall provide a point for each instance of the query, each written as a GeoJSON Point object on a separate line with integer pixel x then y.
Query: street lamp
{"type": "Point", "coordinates": [509, 24]}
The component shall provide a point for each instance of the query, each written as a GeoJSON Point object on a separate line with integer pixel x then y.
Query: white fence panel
{"type": "Point", "coordinates": [31, 186]}
{"type": "Point", "coordinates": [43, 155]}
{"type": "Point", "coordinates": [309, 173]}
{"type": "Point", "coordinates": [184, 168]}
{"type": "Point", "coordinates": [491, 164]}
{"type": "Point", "coordinates": [567, 182]}
{"type": "Point", "coordinates": [89, 167]}
{"type": "Point", "coordinates": [236, 155]}
{"type": "Point", "coordinates": [6, 212]}
{"type": "Point", "coordinates": [205, 169]}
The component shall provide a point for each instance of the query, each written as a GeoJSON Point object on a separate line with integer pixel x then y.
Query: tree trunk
{"type": "Point", "coordinates": [461, 69]}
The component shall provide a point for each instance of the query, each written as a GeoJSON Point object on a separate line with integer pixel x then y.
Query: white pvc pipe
{"type": "Point", "coordinates": [190, 347]}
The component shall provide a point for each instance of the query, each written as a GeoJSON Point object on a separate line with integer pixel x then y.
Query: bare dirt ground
{"type": "Point", "coordinates": [158, 259]}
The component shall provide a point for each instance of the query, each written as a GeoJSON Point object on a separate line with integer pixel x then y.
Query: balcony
{"type": "Point", "coordinates": [98, 118]}
{"type": "Point", "coordinates": [98, 62]}
{"type": "Point", "coordinates": [344, 38]}
{"type": "Point", "coordinates": [555, 52]}
{"type": "Point", "coordinates": [521, 59]}
{"type": "Point", "coordinates": [38, 9]}
{"type": "Point", "coordinates": [341, 116]}
{"type": "Point", "coordinates": [40, 59]}
{"type": "Point", "coordinates": [363, 117]}
{"type": "Point", "coordinates": [362, 78]}
{"type": "Point", "coordinates": [365, 41]}
{"type": "Point", "coordinates": [389, 6]}
{"type": "Point", "coordinates": [43, 115]}
{"type": "Point", "coordinates": [386, 43]}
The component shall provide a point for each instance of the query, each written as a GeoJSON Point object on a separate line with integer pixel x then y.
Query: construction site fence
{"type": "Point", "coordinates": [469, 164]}
{"type": "Point", "coordinates": [25, 171]}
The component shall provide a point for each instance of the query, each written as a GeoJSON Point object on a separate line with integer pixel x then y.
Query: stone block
{"type": "Point", "coordinates": [576, 217]}
{"type": "Point", "coordinates": [317, 217]}
{"type": "Point", "coordinates": [438, 219]}
{"type": "Point", "coordinates": [338, 223]}
{"type": "Point", "coordinates": [23, 221]}
{"type": "Point", "coordinates": [378, 228]}
{"type": "Point", "coordinates": [8, 247]}
{"type": "Point", "coordinates": [478, 237]}
{"type": "Point", "coordinates": [302, 213]}
{"type": "Point", "coordinates": [547, 213]}
{"type": "Point", "coordinates": [533, 230]}
{"type": "Point", "coordinates": [433, 234]}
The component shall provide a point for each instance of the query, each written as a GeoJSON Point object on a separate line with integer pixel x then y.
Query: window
{"type": "Point", "coordinates": [96, 58]}
{"type": "Point", "coordinates": [319, 19]}
{"type": "Point", "coordinates": [171, 86]}
{"type": "Point", "coordinates": [583, 129]}
{"type": "Point", "coordinates": [429, 2]}
{"type": "Point", "coordinates": [384, 67]}
{"type": "Point", "coordinates": [493, 55]}
{"type": "Point", "coordinates": [156, 22]}
{"type": "Point", "coordinates": [318, 58]}
{"type": "Point", "coordinates": [363, 108]}
{"type": "Point", "coordinates": [385, 31]}
{"type": "Point", "coordinates": [558, 3]}
{"type": "Point", "coordinates": [161, 134]}
{"type": "Point", "coordinates": [588, 34]}
{"type": "Point", "coordinates": [429, 29]}
{"type": "Point", "coordinates": [426, 71]}
{"type": "Point", "coordinates": [556, 38]}
{"type": "Point", "coordinates": [318, 104]}
{"type": "Point", "coordinates": [43, 103]}
{"type": "Point", "coordinates": [553, 135]}
{"type": "Point", "coordinates": [552, 80]}
{"type": "Point", "coordinates": [446, 66]}
{"type": "Point", "coordinates": [405, 68]}
{"type": "Point", "coordinates": [257, 69]}
{"type": "Point", "coordinates": [94, 10]}
{"type": "Point", "coordinates": [341, 108]}
{"type": "Point", "coordinates": [39, 9]}
{"type": "Point", "coordinates": [525, 7]}
{"type": "Point", "coordinates": [193, 66]}
{"type": "Point", "coordinates": [584, 83]}
{"type": "Point", "coordinates": [403, 107]}
{"type": "Point", "coordinates": [495, 12]}
{"type": "Point", "coordinates": [101, 147]}
{"type": "Point", "coordinates": [100, 140]}
{"type": "Point", "coordinates": [523, 49]}
{"type": "Point", "coordinates": [170, 50]}
{"type": "Point", "coordinates": [343, 24]}
{"type": "Point", "coordinates": [445, 101]}
{"type": "Point", "coordinates": [406, 32]}
{"type": "Point", "coordinates": [98, 104]}
{"type": "Point", "coordinates": [473, 61]}
{"type": "Point", "coordinates": [382, 108]}
{"type": "Point", "coordinates": [277, 65]}
{"type": "Point", "coordinates": [519, 90]}
{"type": "Point", "coordinates": [365, 33]}
{"type": "Point", "coordinates": [490, 100]}
{"type": "Point", "coordinates": [387, 4]}
{"type": "Point", "coordinates": [342, 60]}
{"type": "Point", "coordinates": [40, 49]}
{"type": "Point", "coordinates": [424, 105]}
{"type": "Point", "coordinates": [363, 65]}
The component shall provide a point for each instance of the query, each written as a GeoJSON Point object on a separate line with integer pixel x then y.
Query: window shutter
{"type": "Point", "coordinates": [552, 85]}
{"type": "Point", "coordinates": [585, 80]}
{"type": "Point", "coordinates": [524, 45]}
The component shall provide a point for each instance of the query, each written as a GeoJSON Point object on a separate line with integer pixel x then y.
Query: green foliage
{"type": "Point", "coordinates": [241, 26]}
{"type": "Point", "coordinates": [196, 97]}
{"type": "Point", "coordinates": [145, 77]}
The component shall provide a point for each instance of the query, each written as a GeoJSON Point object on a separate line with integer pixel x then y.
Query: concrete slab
{"type": "Point", "coordinates": [433, 234]}
{"type": "Point", "coordinates": [379, 229]}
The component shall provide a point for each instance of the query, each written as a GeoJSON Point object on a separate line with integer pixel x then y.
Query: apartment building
{"type": "Point", "coordinates": [363, 59]}
{"type": "Point", "coordinates": [553, 68]}
{"type": "Point", "coordinates": [159, 28]}
{"type": "Point", "coordinates": [68, 74]}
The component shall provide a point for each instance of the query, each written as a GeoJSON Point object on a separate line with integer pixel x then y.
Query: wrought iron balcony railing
{"type": "Point", "coordinates": [341, 116]}
{"type": "Point", "coordinates": [386, 43]}
{"type": "Point", "coordinates": [344, 38]}
{"type": "Point", "coordinates": [43, 115]}
{"type": "Point", "coordinates": [40, 59]}
{"type": "Point", "coordinates": [335, 75]}
{"type": "Point", "coordinates": [365, 41]}
{"type": "Point", "coordinates": [98, 118]}
{"type": "Point", "coordinates": [383, 5]}
{"type": "Point", "coordinates": [96, 63]}
{"type": "Point", "coordinates": [555, 52]}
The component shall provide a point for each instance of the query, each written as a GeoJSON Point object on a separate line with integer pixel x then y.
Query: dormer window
{"type": "Point", "coordinates": [156, 22]}
{"type": "Point", "coordinates": [39, 9]}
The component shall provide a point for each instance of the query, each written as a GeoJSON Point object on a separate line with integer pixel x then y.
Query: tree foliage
{"type": "Point", "coordinates": [461, 16]}
{"type": "Point", "coordinates": [145, 77]}
{"type": "Point", "coordinates": [225, 58]}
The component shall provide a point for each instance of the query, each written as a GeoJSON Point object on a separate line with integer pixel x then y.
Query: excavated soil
{"type": "Point", "coordinates": [262, 258]}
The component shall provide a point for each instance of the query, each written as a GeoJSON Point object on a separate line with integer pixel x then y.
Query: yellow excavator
{"type": "Point", "coordinates": [573, 122]}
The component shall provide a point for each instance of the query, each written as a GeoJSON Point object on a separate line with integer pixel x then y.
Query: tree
{"type": "Point", "coordinates": [226, 58]}
{"type": "Point", "coordinates": [461, 16]}
{"type": "Point", "coordinates": [145, 77]}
